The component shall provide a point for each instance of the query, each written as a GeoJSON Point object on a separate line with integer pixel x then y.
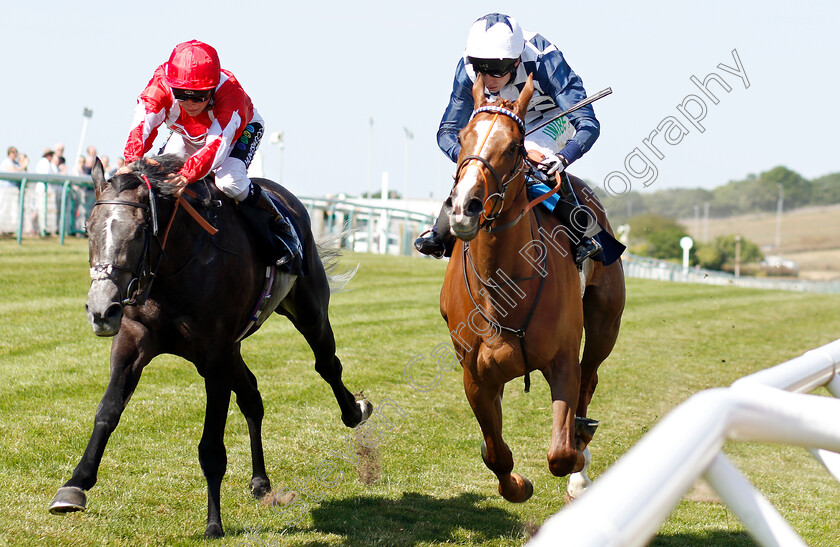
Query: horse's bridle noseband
{"type": "Point", "coordinates": [501, 183]}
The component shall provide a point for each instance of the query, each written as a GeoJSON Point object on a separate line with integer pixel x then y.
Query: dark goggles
{"type": "Point", "coordinates": [496, 68]}
{"type": "Point", "coordinates": [192, 95]}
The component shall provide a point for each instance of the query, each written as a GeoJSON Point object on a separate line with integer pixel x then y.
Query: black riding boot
{"type": "Point", "coordinates": [439, 241]}
{"type": "Point", "coordinates": [573, 218]}
{"type": "Point", "coordinates": [274, 229]}
{"type": "Point", "coordinates": [430, 244]}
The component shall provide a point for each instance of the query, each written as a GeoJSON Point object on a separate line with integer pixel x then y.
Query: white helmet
{"type": "Point", "coordinates": [495, 36]}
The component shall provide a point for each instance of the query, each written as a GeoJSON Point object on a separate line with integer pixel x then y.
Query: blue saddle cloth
{"type": "Point", "coordinates": [537, 189]}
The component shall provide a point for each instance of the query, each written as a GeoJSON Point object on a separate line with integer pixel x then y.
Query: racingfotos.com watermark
{"type": "Point", "coordinates": [640, 164]}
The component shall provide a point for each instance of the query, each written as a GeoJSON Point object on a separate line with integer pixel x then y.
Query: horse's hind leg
{"type": "Point", "coordinates": [127, 362]}
{"type": "Point", "coordinates": [603, 305]}
{"type": "Point", "coordinates": [250, 402]}
{"type": "Point", "coordinates": [308, 311]}
{"type": "Point", "coordinates": [321, 340]}
{"type": "Point", "coordinates": [486, 402]}
{"type": "Point", "coordinates": [602, 309]}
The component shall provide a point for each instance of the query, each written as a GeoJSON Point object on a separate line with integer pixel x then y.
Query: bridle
{"type": "Point", "coordinates": [100, 270]}
{"type": "Point", "coordinates": [523, 161]}
{"type": "Point", "coordinates": [144, 269]}
{"type": "Point", "coordinates": [502, 183]}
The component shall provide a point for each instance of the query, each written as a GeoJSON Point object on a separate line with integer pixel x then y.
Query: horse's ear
{"type": "Point", "coordinates": [478, 91]}
{"type": "Point", "coordinates": [521, 104]}
{"type": "Point", "coordinates": [98, 175]}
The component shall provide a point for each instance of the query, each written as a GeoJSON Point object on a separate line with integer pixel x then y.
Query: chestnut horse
{"type": "Point", "coordinates": [196, 300]}
{"type": "Point", "coordinates": [512, 296]}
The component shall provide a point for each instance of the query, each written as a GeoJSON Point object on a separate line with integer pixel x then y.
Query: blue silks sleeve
{"type": "Point", "coordinates": [457, 113]}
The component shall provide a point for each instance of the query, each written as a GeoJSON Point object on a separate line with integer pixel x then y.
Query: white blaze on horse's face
{"type": "Point", "coordinates": [116, 242]}
{"type": "Point", "coordinates": [471, 175]}
{"type": "Point", "coordinates": [109, 246]}
{"type": "Point", "coordinates": [112, 248]}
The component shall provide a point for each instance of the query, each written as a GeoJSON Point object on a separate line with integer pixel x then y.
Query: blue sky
{"type": "Point", "coordinates": [320, 71]}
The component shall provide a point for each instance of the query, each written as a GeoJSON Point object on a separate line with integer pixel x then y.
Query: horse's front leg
{"type": "Point", "coordinates": [563, 378]}
{"type": "Point", "coordinates": [485, 398]}
{"type": "Point", "coordinates": [211, 449]}
{"type": "Point", "coordinates": [129, 354]}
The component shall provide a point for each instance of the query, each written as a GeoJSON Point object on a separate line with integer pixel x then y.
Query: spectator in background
{"type": "Point", "coordinates": [79, 169]}
{"type": "Point", "coordinates": [45, 164]}
{"type": "Point", "coordinates": [106, 167]}
{"type": "Point", "coordinates": [90, 159]}
{"type": "Point", "coordinates": [14, 163]}
{"type": "Point", "coordinates": [58, 159]}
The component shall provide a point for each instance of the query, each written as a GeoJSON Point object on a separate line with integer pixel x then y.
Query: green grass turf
{"type": "Point", "coordinates": [425, 482]}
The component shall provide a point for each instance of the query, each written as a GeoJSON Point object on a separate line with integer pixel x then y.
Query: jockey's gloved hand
{"type": "Point", "coordinates": [551, 164]}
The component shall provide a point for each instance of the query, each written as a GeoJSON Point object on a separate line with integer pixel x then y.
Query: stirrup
{"type": "Point", "coordinates": [587, 249]}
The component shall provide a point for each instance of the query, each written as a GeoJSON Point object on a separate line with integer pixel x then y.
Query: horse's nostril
{"type": "Point", "coordinates": [112, 312]}
{"type": "Point", "coordinates": [474, 207]}
{"type": "Point", "coordinates": [448, 203]}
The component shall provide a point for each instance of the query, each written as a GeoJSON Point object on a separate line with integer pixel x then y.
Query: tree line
{"type": "Point", "coordinates": [754, 194]}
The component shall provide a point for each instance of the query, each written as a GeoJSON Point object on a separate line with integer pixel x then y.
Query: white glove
{"type": "Point", "coordinates": [551, 164]}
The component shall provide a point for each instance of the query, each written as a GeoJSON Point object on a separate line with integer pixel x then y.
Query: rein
{"type": "Point", "coordinates": [105, 271]}
{"type": "Point", "coordinates": [501, 185]}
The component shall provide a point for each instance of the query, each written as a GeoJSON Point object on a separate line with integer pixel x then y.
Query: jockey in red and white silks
{"type": "Point", "coordinates": [207, 139]}
{"type": "Point", "coordinates": [215, 129]}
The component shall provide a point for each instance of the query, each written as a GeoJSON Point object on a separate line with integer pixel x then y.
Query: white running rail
{"type": "Point", "coordinates": [629, 502]}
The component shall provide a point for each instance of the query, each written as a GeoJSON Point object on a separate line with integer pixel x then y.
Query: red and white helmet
{"type": "Point", "coordinates": [193, 65]}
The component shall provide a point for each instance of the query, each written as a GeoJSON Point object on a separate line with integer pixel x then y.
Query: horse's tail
{"type": "Point", "coordinates": [329, 249]}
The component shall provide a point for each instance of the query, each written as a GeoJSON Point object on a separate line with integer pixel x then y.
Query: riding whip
{"type": "Point", "coordinates": [589, 100]}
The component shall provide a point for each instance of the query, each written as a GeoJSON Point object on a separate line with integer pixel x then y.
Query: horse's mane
{"type": "Point", "coordinates": [167, 164]}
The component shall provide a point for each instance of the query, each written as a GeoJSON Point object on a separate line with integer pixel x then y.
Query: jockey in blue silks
{"type": "Point", "coordinates": [498, 48]}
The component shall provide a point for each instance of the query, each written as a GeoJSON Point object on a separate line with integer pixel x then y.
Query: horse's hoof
{"type": "Point", "coordinates": [367, 409]}
{"type": "Point", "coordinates": [68, 499]}
{"type": "Point", "coordinates": [260, 486]}
{"type": "Point", "coordinates": [214, 531]}
{"type": "Point", "coordinates": [526, 489]}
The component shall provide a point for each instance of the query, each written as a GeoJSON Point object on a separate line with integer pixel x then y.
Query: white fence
{"type": "Point", "coordinates": [661, 270]}
{"type": "Point", "coordinates": [36, 204]}
{"type": "Point", "coordinates": [370, 225]}
{"type": "Point", "coordinates": [33, 204]}
{"type": "Point", "coordinates": [628, 503]}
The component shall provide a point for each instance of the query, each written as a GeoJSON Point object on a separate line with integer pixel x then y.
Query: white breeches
{"type": "Point", "coordinates": [231, 177]}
